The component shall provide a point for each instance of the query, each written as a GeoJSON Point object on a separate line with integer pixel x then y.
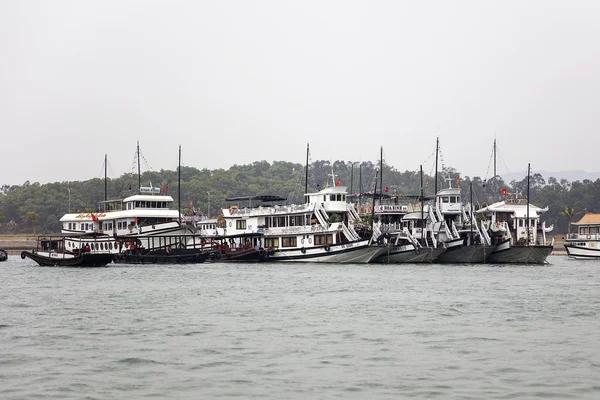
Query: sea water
{"type": "Point", "coordinates": [300, 331]}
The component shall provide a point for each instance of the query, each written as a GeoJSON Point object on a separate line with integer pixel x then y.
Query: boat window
{"type": "Point", "coordinates": [299, 220]}
{"type": "Point", "coordinates": [288, 242]}
{"type": "Point", "coordinates": [521, 222]}
{"type": "Point", "coordinates": [445, 199]}
{"type": "Point", "coordinates": [324, 197]}
{"type": "Point", "coordinates": [110, 245]}
{"type": "Point", "coordinates": [240, 224]}
{"type": "Point", "coordinates": [153, 204]}
{"type": "Point", "coordinates": [281, 221]}
{"type": "Point", "coordinates": [271, 242]}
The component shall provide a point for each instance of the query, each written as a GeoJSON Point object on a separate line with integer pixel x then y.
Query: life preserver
{"type": "Point", "coordinates": [303, 250]}
{"type": "Point", "coordinates": [302, 241]}
{"type": "Point", "coordinates": [23, 255]}
{"type": "Point", "coordinates": [589, 236]}
{"type": "Point", "coordinates": [309, 240]}
{"type": "Point", "coordinates": [327, 248]}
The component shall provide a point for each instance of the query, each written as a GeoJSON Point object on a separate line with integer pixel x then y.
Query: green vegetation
{"type": "Point", "coordinates": [33, 206]}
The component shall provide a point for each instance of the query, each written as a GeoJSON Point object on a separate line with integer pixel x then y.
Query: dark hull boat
{"type": "Point", "coordinates": [408, 253]}
{"type": "Point", "coordinates": [51, 259]}
{"type": "Point", "coordinates": [61, 250]}
{"type": "Point", "coordinates": [474, 253]}
{"type": "Point", "coordinates": [162, 257]}
{"type": "Point", "coordinates": [517, 254]}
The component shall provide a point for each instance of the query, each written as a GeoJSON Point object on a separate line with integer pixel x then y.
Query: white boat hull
{"type": "Point", "coordinates": [345, 253]}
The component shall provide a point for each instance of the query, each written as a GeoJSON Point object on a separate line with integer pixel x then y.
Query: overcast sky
{"type": "Point", "coordinates": [235, 82]}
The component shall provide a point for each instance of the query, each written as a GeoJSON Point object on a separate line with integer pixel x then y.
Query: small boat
{"type": "Point", "coordinates": [60, 250]}
{"type": "Point", "coordinates": [585, 243]}
{"type": "Point", "coordinates": [162, 249]}
{"type": "Point", "coordinates": [3, 255]}
{"type": "Point", "coordinates": [247, 247]}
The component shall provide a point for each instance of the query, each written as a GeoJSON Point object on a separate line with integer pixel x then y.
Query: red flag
{"type": "Point", "coordinates": [339, 182]}
{"type": "Point", "coordinates": [387, 189]}
{"type": "Point", "coordinates": [94, 218]}
{"type": "Point", "coordinates": [503, 192]}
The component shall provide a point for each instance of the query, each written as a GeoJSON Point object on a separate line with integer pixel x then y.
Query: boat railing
{"type": "Point", "coordinates": [270, 210]}
{"type": "Point", "coordinates": [583, 236]}
{"type": "Point", "coordinates": [294, 230]}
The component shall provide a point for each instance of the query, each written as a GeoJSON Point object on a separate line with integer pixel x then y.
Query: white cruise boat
{"type": "Point", "coordinates": [585, 243]}
{"type": "Point", "coordinates": [142, 215]}
{"type": "Point", "coordinates": [507, 223]}
{"type": "Point", "coordinates": [320, 230]}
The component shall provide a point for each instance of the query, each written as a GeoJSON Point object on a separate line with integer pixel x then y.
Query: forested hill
{"type": "Point", "coordinates": [34, 207]}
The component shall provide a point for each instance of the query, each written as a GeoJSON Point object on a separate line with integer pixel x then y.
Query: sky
{"type": "Point", "coordinates": [234, 82]}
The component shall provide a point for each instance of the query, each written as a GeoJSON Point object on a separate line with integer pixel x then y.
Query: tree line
{"type": "Point", "coordinates": [35, 207]}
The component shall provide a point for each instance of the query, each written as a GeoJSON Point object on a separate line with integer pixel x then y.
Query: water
{"type": "Point", "coordinates": [288, 331]}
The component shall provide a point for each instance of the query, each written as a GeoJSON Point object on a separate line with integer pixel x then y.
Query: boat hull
{"type": "Point", "coordinates": [346, 253]}
{"type": "Point", "coordinates": [478, 253]}
{"type": "Point", "coordinates": [521, 255]}
{"type": "Point", "coordinates": [584, 253]}
{"type": "Point", "coordinates": [408, 254]}
{"type": "Point", "coordinates": [183, 258]}
{"type": "Point", "coordinates": [69, 260]}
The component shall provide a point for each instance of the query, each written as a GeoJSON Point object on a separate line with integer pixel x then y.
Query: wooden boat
{"type": "Point", "coordinates": [70, 250]}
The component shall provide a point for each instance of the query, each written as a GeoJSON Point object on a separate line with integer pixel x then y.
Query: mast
{"type": "Point", "coordinates": [306, 170]}
{"type": "Point", "coordinates": [528, 173]}
{"type": "Point", "coordinates": [139, 173]}
{"type": "Point", "coordinates": [380, 176]}
{"type": "Point", "coordinates": [494, 159]}
{"type": "Point", "coordinates": [360, 192]}
{"type": "Point", "coordinates": [105, 190]}
{"type": "Point", "coordinates": [373, 208]}
{"type": "Point", "coordinates": [179, 186]}
{"type": "Point", "coordinates": [437, 147]}
{"type": "Point", "coordinates": [471, 214]}
{"type": "Point", "coordinates": [422, 204]}
{"type": "Point", "coordinates": [351, 177]}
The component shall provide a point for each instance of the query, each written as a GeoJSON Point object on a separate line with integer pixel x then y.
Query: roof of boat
{"type": "Point", "coordinates": [71, 235]}
{"type": "Point", "coordinates": [148, 197]}
{"type": "Point", "coordinates": [264, 197]}
{"type": "Point", "coordinates": [588, 219]}
{"type": "Point", "coordinates": [515, 206]}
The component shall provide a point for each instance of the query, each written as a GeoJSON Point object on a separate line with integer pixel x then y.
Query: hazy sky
{"type": "Point", "coordinates": [235, 82]}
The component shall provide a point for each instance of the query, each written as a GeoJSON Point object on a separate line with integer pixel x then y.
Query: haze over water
{"type": "Point", "coordinates": [293, 331]}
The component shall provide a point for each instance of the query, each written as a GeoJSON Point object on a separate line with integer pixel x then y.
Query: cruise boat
{"type": "Point", "coordinates": [585, 243]}
{"type": "Point", "coordinates": [83, 250]}
{"type": "Point", "coordinates": [515, 229]}
{"type": "Point", "coordinates": [142, 215]}
{"type": "Point", "coordinates": [320, 230]}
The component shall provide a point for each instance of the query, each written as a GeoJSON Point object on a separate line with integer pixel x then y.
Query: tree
{"type": "Point", "coordinates": [32, 217]}
{"type": "Point", "coordinates": [568, 212]}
